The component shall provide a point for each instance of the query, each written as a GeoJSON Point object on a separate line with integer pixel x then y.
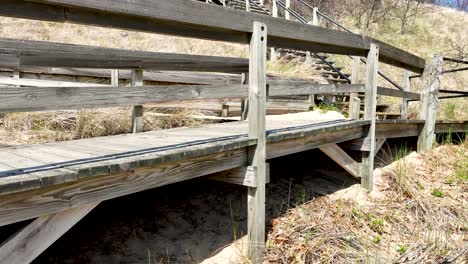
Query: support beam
{"type": "Point", "coordinates": [245, 175]}
{"type": "Point", "coordinates": [257, 153]}
{"type": "Point", "coordinates": [428, 107]}
{"type": "Point", "coordinates": [36, 237]}
{"type": "Point", "coordinates": [341, 158]}
{"type": "Point", "coordinates": [367, 169]}
{"type": "Point", "coordinates": [137, 114]}
{"type": "Point", "coordinates": [362, 145]}
{"type": "Point", "coordinates": [354, 107]}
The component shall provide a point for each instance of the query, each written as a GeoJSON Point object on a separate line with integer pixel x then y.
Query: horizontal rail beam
{"type": "Point", "coordinates": [397, 93]}
{"type": "Point", "coordinates": [15, 99]}
{"type": "Point", "coordinates": [24, 53]}
{"type": "Point", "coordinates": [195, 19]}
{"type": "Point", "coordinates": [19, 99]}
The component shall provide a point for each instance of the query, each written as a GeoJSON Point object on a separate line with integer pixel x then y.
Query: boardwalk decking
{"type": "Point", "coordinates": [45, 178]}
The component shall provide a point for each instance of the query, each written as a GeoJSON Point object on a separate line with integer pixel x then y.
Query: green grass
{"type": "Point", "coordinates": [437, 193]}
{"type": "Point", "coordinates": [325, 108]}
{"type": "Point", "coordinates": [402, 249]}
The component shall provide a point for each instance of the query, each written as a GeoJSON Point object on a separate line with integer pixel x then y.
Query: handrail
{"type": "Point", "coordinates": [455, 60]}
{"type": "Point", "coordinates": [303, 20]}
{"type": "Point", "coordinates": [334, 22]}
{"type": "Point", "coordinates": [259, 6]}
{"type": "Point", "coordinates": [362, 59]}
{"type": "Point", "coordinates": [443, 72]}
{"type": "Point", "coordinates": [210, 22]}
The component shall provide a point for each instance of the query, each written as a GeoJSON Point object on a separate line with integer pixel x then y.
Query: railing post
{"type": "Point", "coordinates": [244, 102]}
{"type": "Point", "coordinates": [404, 101]}
{"type": "Point", "coordinates": [17, 76]}
{"type": "Point", "coordinates": [354, 102]}
{"type": "Point", "coordinates": [273, 55]}
{"type": "Point", "coordinates": [247, 5]}
{"type": "Point", "coordinates": [115, 78]}
{"type": "Point", "coordinates": [367, 168]}
{"type": "Point", "coordinates": [257, 153]}
{"type": "Point", "coordinates": [287, 15]}
{"type": "Point", "coordinates": [137, 115]}
{"type": "Point", "coordinates": [428, 107]}
{"type": "Point", "coordinates": [315, 19]}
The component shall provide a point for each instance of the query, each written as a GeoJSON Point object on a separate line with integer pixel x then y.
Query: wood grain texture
{"type": "Point", "coordinates": [137, 112]}
{"type": "Point", "coordinates": [370, 104]}
{"type": "Point", "coordinates": [397, 93]}
{"type": "Point", "coordinates": [195, 19]}
{"type": "Point", "coordinates": [404, 101]}
{"type": "Point", "coordinates": [257, 154]}
{"type": "Point", "coordinates": [50, 54]}
{"type": "Point", "coordinates": [14, 99]}
{"type": "Point", "coordinates": [354, 109]}
{"type": "Point", "coordinates": [342, 158]}
{"type": "Point", "coordinates": [245, 176]}
{"type": "Point", "coordinates": [37, 236]}
{"type": "Point", "coordinates": [429, 103]}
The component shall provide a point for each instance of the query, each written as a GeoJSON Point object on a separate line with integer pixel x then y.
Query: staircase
{"type": "Point", "coordinates": [327, 69]}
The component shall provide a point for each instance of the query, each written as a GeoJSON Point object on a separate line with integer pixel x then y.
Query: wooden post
{"type": "Point", "coordinates": [17, 76]}
{"type": "Point", "coordinates": [257, 153]}
{"type": "Point", "coordinates": [367, 168]}
{"type": "Point", "coordinates": [244, 102]}
{"type": "Point", "coordinates": [404, 101]}
{"type": "Point", "coordinates": [315, 19]}
{"type": "Point", "coordinates": [36, 237]}
{"type": "Point", "coordinates": [224, 110]}
{"type": "Point", "coordinates": [137, 115]}
{"type": "Point", "coordinates": [287, 15]}
{"type": "Point", "coordinates": [355, 104]}
{"type": "Point", "coordinates": [353, 108]}
{"type": "Point", "coordinates": [273, 55]}
{"type": "Point", "coordinates": [115, 78]}
{"type": "Point", "coordinates": [428, 107]}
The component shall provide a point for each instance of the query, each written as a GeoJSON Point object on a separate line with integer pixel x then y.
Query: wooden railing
{"type": "Point", "coordinates": [198, 20]}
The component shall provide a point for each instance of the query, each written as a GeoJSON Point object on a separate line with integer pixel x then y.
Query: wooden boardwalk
{"type": "Point", "coordinates": [46, 178]}
{"type": "Point", "coordinates": [59, 183]}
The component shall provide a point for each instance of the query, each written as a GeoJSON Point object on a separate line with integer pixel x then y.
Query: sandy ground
{"type": "Point", "coordinates": [189, 222]}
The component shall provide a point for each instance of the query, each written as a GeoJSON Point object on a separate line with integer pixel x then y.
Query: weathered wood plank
{"type": "Point", "coordinates": [307, 142]}
{"type": "Point", "coordinates": [46, 83]}
{"type": "Point", "coordinates": [429, 103]}
{"type": "Point", "coordinates": [195, 19]}
{"type": "Point", "coordinates": [397, 93]}
{"type": "Point", "coordinates": [404, 101]}
{"type": "Point", "coordinates": [354, 109]}
{"type": "Point", "coordinates": [137, 113]}
{"type": "Point", "coordinates": [37, 236]}
{"type": "Point", "coordinates": [342, 158]}
{"type": "Point", "coordinates": [367, 167]}
{"type": "Point", "coordinates": [284, 87]}
{"type": "Point", "coordinates": [244, 175]}
{"type": "Point", "coordinates": [50, 54]}
{"type": "Point", "coordinates": [257, 154]}
{"type": "Point", "coordinates": [14, 99]}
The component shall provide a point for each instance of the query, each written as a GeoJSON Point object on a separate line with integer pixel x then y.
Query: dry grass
{"type": "Point", "coordinates": [417, 214]}
{"type": "Point", "coordinates": [42, 127]}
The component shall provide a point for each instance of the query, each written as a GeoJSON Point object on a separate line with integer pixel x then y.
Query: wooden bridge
{"type": "Point", "coordinates": [59, 183]}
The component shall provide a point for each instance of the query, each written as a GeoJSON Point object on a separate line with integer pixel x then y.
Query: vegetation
{"type": "Point", "coordinates": [414, 215]}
